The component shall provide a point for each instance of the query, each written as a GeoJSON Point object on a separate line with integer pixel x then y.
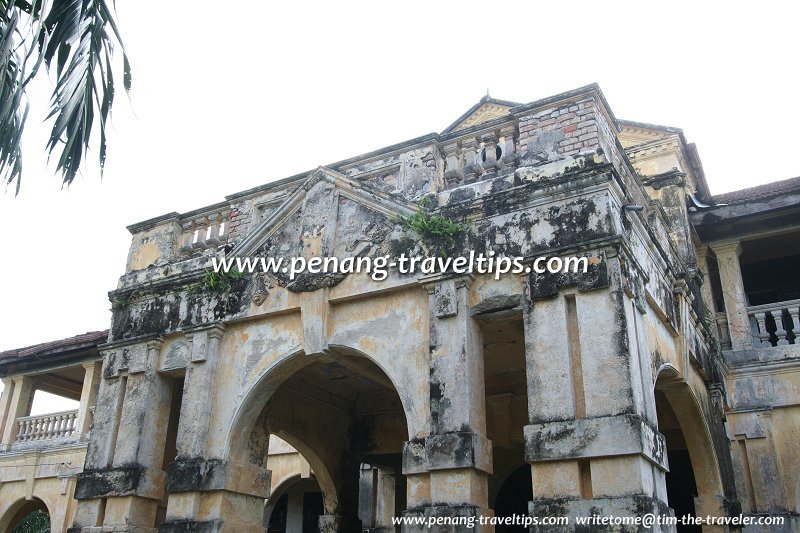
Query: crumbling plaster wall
{"type": "Point", "coordinates": [565, 196]}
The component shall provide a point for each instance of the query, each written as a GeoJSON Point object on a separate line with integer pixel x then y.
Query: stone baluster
{"type": "Point", "coordinates": [471, 167]}
{"type": "Point", "coordinates": [794, 314]}
{"type": "Point", "coordinates": [23, 429]}
{"type": "Point", "coordinates": [202, 230]}
{"type": "Point", "coordinates": [509, 158]}
{"type": "Point", "coordinates": [489, 152]}
{"type": "Point", "coordinates": [780, 330]}
{"type": "Point", "coordinates": [188, 235]}
{"type": "Point", "coordinates": [454, 172]}
{"type": "Point", "coordinates": [214, 221]}
{"type": "Point", "coordinates": [763, 334]}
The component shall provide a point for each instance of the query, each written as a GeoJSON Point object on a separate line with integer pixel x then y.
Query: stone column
{"type": "Point", "coordinates": [100, 448]}
{"type": "Point", "coordinates": [730, 275]}
{"type": "Point", "coordinates": [5, 405]}
{"type": "Point", "coordinates": [206, 492]}
{"type": "Point", "coordinates": [19, 405]}
{"type": "Point", "coordinates": [705, 288]}
{"type": "Point", "coordinates": [123, 481]}
{"type": "Point", "coordinates": [91, 383]}
{"type": "Point", "coordinates": [590, 444]}
{"type": "Point", "coordinates": [140, 441]}
{"type": "Point", "coordinates": [457, 455]}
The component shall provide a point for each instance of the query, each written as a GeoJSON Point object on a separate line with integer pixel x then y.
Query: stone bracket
{"type": "Point", "coordinates": [547, 285]}
{"type": "Point", "coordinates": [595, 437]}
{"type": "Point", "coordinates": [134, 480]}
{"type": "Point", "coordinates": [447, 451]}
{"type": "Point", "coordinates": [201, 475]}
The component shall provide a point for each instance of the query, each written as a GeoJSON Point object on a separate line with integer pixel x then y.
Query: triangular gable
{"type": "Point", "coordinates": [486, 109]}
{"type": "Point", "coordinates": [638, 133]}
{"type": "Point", "coordinates": [364, 195]}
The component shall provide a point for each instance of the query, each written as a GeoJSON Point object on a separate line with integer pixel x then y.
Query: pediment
{"type": "Point", "coordinates": [486, 109]}
{"type": "Point", "coordinates": [328, 215]}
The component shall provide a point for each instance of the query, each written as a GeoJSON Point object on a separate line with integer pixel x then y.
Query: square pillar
{"type": "Point", "coordinates": [205, 492]}
{"type": "Point", "coordinates": [5, 404]}
{"type": "Point", "coordinates": [730, 276]}
{"type": "Point", "coordinates": [19, 405]}
{"type": "Point", "coordinates": [457, 455]}
{"type": "Point", "coordinates": [91, 384]}
{"type": "Point", "coordinates": [589, 440]}
{"type": "Point", "coordinates": [122, 482]}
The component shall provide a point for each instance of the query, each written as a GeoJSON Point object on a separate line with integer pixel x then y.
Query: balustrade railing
{"type": "Point", "coordinates": [47, 427]}
{"type": "Point", "coordinates": [775, 324]}
{"type": "Point", "coordinates": [205, 231]}
{"type": "Point", "coordinates": [469, 158]}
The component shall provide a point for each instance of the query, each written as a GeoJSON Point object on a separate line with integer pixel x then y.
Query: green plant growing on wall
{"type": "Point", "coordinates": [438, 232]}
{"type": "Point", "coordinates": [219, 282]}
{"type": "Point", "coordinates": [122, 301]}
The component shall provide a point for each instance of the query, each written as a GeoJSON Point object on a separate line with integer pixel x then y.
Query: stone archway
{"type": "Point", "coordinates": [694, 483]}
{"type": "Point", "coordinates": [295, 504]}
{"type": "Point", "coordinates": [340, 411]}
{"type": "Point", "coordinates": [26, 513]}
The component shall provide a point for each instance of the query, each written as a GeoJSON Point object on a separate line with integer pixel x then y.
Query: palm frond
{"type": "Point", "coordinates": [13, 106]}
{"type": "Point", "coordinates": [76, 40]}
{"type": "Point", "coordinates": [79, 41]}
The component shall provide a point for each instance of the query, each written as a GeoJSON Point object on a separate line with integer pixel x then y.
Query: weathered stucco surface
{"type": "Point", "coordinates": [427, 393]}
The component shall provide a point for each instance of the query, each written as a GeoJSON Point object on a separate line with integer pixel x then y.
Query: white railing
{"type": "Point", "coordinates": [776, 324]}
{"type": "Point", "coordinates": [47, 427]}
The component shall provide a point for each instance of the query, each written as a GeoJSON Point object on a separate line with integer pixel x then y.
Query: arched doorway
{"type": "Point", "coordinates": [693, 482]}
{"type": "Point", "coordinates": [27, 516]}
{"type": "Point", "coordinates": [344, 415]}
{"type": "Point", "coordinates": [295, 505]}
{"type": "Point", "coordinates": [681, 484]}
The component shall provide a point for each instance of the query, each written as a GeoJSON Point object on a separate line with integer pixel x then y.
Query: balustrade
{"type": "Point", "coordinates": [775, 324]}
{"type": "Point", "coordinates": [46, 427]}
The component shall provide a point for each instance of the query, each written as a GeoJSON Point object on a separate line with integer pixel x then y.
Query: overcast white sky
{"type": "Point", "coordinates": [228, 96]}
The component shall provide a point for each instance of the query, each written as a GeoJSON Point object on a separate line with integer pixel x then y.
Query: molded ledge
{"type": "Point", "coordinates": [198, 474]}
{"type": "Point", "coordinates": [595, 437]}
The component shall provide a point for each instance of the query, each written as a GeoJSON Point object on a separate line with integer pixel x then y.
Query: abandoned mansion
{"type": "Point", "coordinates": [663, 380]}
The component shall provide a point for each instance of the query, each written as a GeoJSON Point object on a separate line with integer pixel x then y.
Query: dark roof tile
{"type": "Point", "coordinates": [86, 340]}
{"type": "Point", "coordinates": [767, 190]}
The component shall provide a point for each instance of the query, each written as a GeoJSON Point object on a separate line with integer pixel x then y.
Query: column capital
{"type": "Point", "coordinates": [22, 378]}
{"type": "Point", "coordinates": [727, 247]}
{"type": "Point", "coordinates": [155, 344]}
{"type": "Point", "coordinates": [90, 365]}
{"type": "Point", "coordinates": [430, 281]}
{"type": "Point", "coordinates": [214, 329]}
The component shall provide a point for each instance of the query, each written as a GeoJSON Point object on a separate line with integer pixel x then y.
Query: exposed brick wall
{"type": "Point", "coordinates": [565, 130]}
{"type": "Point", "coordinates": [240, 222]}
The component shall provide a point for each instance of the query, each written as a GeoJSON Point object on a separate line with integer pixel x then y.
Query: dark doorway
{"type": "Point", "coordinates": [513, 498]}
{"type": "Point", "coordinates": [312, 508]}
{"type": "Point", "coordinates": [277, 521]}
